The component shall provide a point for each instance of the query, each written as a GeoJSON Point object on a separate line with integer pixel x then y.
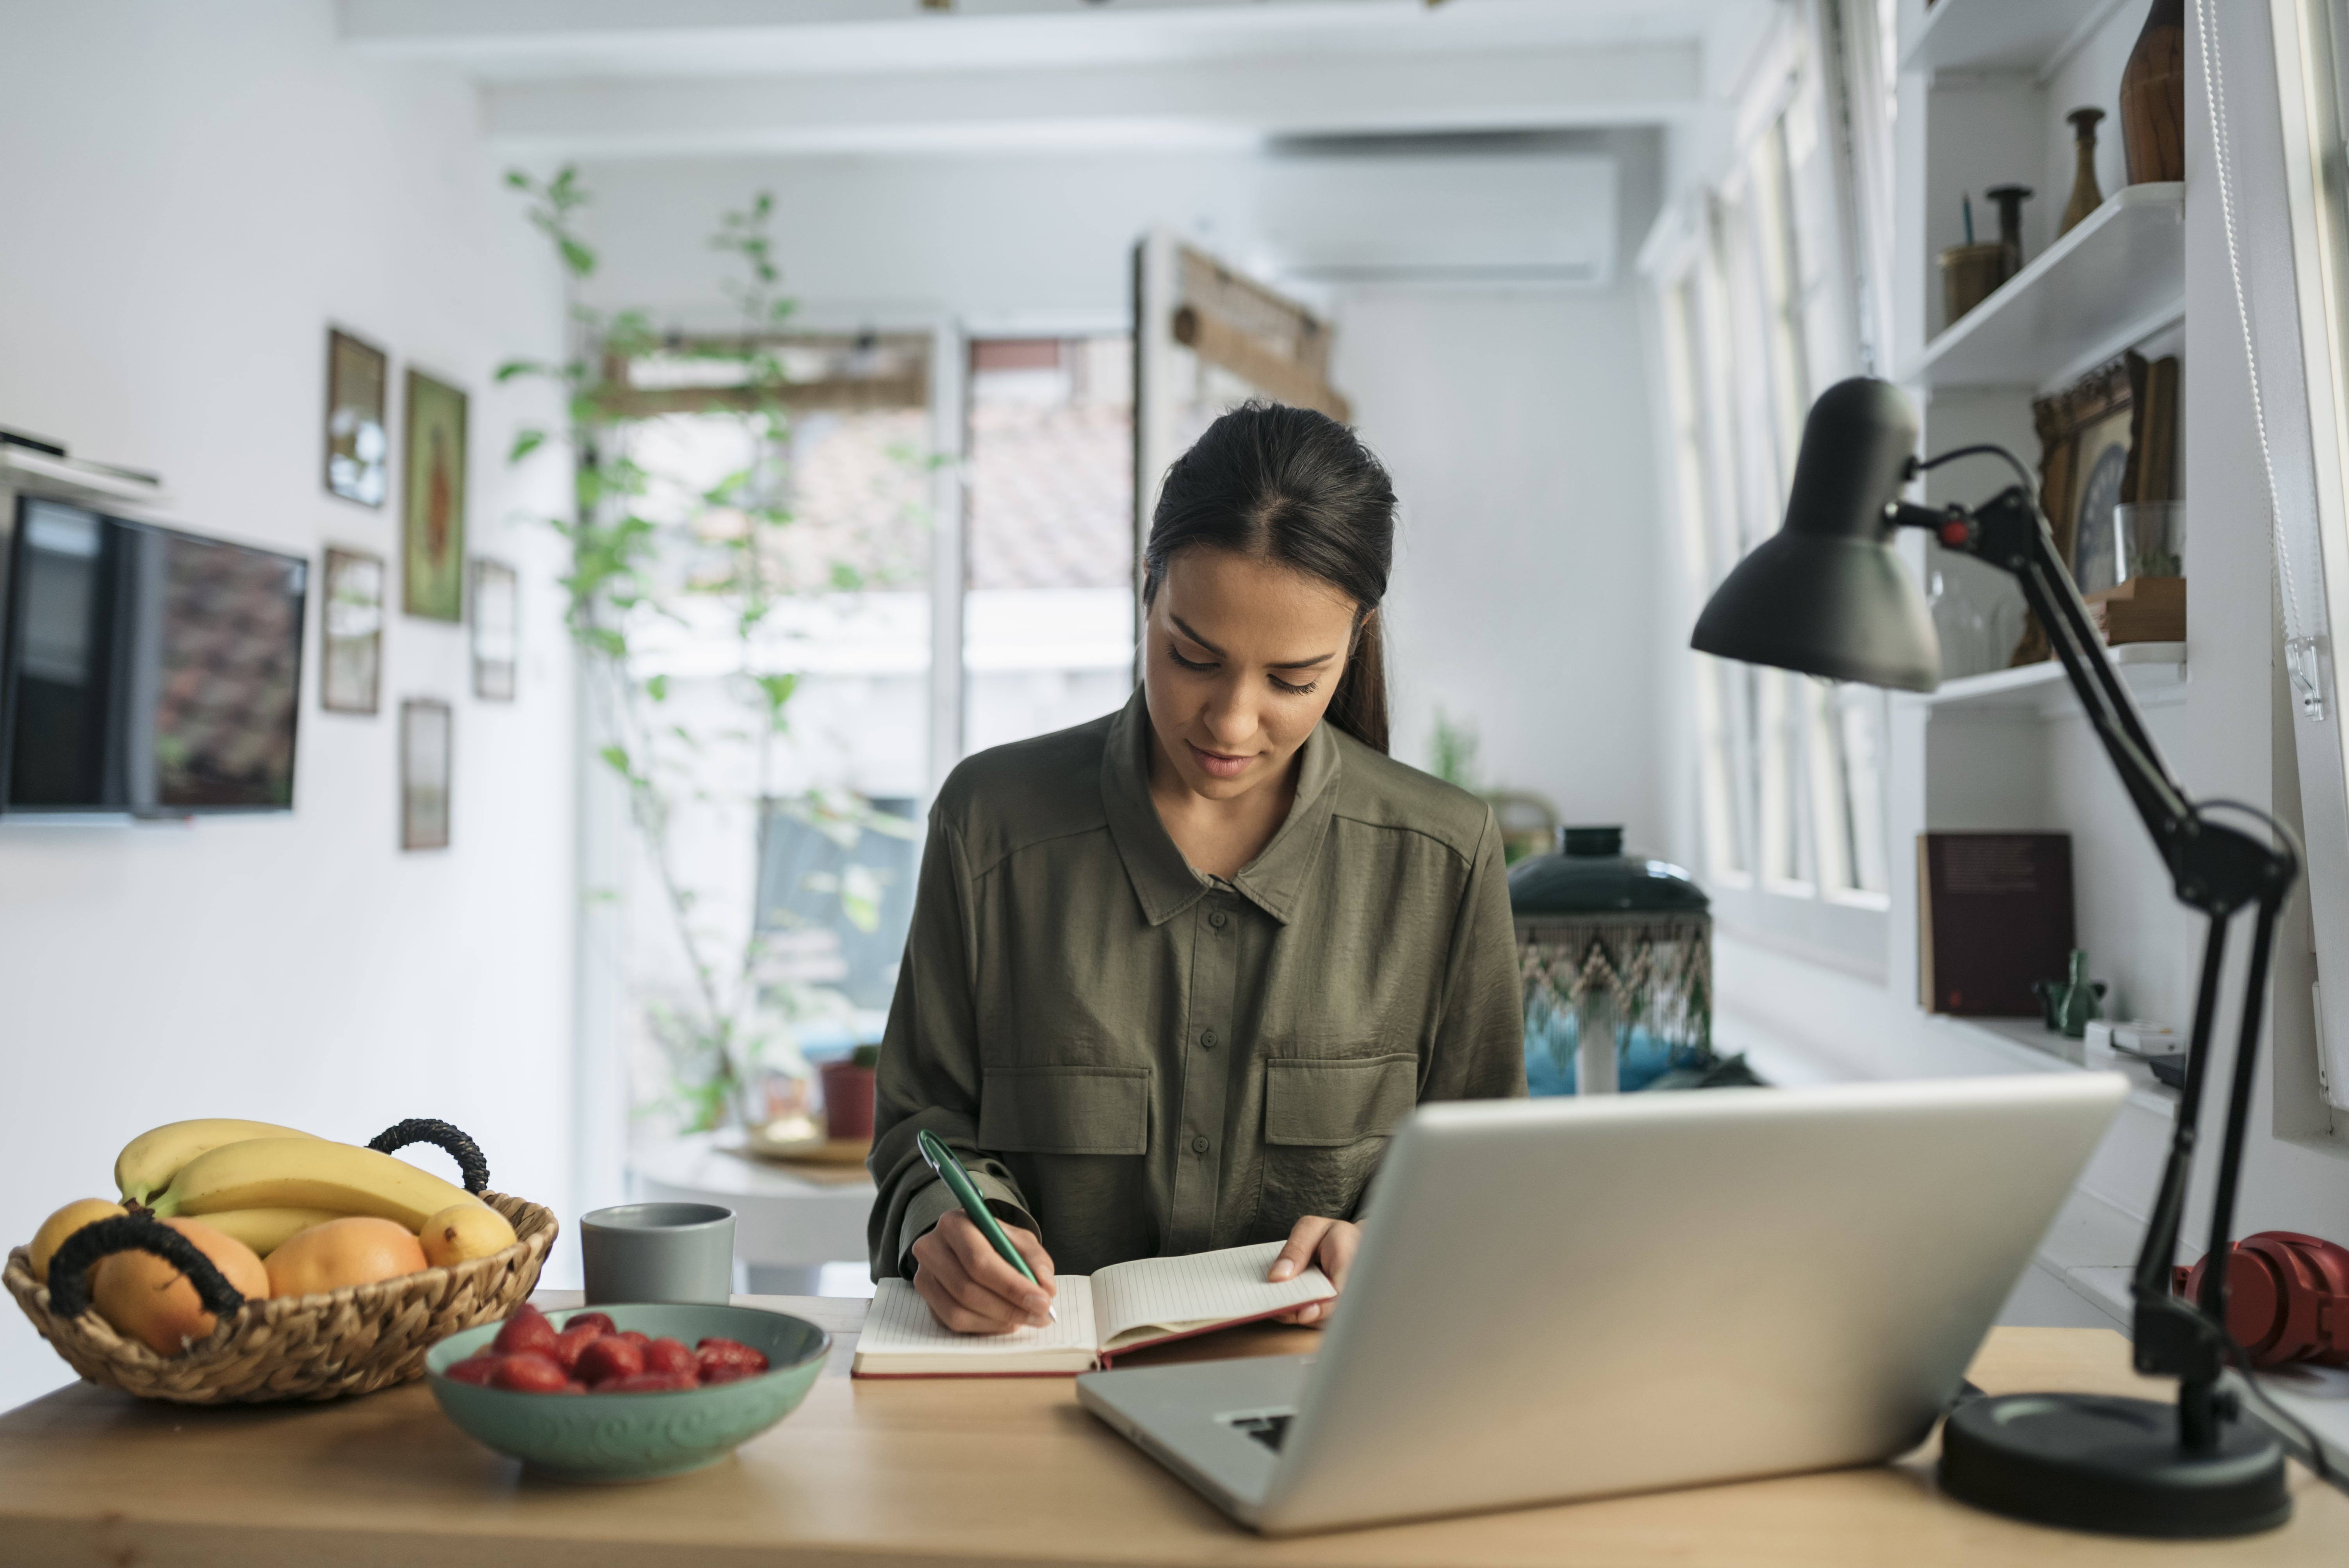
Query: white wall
{"type": "Point", "coordinates": [194, 193]}
{"type": "Point", "coordinates": [1517, 426]}
{"type": "Point", "coordinates": [1515, 421]}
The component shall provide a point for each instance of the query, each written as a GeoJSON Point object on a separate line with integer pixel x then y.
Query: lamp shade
{"type": "Point", "coordinates": [1826, 595]}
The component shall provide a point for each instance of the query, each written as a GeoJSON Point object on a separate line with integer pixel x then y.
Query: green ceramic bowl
{"type": "Point", "coordinates": [638, 1437]}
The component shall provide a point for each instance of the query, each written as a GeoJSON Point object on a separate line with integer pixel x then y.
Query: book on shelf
{"type": "Point", "coordinates": [1994, 918]}
{"type": "Point", "coordinates": [1125, 1308]}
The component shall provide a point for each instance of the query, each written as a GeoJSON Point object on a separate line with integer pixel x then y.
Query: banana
{"type": "Point", "coordinates": [148, 1161]}
{"type": "Point", "coordinates": [266, 1230]}
{"type": "Point", "coordinates": [307, 1174]}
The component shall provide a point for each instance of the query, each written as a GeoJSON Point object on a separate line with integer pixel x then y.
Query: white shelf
{"type": "Point", "coordinates": [2115, 279]}
{"type": "Point", "coordinates": [2155, 672]}
{"type": "Point", "coordinates": [2035, 1048]}
{"type": "Point", "coordinates": [62, 477]}
{"type": "Point", "coordinates": [2022, 36]}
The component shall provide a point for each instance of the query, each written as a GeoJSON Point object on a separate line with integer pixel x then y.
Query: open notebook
{"type": "Point", "coordinates": [1127, 1305]}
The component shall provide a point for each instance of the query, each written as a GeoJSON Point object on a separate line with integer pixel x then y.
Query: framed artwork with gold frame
{"type": "Point", "coordinates": [2085, 434]}
{"type": "Point", "coordinates": [432, 503]}
{"type": "Point", "coordinates": [350, 627]}
{"type": "Point", "coordinates": [359, 400]}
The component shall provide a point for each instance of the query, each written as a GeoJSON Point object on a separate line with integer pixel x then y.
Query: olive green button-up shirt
{"type": "Point", "coordinates": [1136, 1059]}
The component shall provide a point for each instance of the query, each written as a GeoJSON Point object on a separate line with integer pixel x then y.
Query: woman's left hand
{"type": "Point", "coordinates": [1317, 1240]}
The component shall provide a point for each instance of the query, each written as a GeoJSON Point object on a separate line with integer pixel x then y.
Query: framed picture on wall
{"type": "Point", "coordinates": [497, 618]}
{"type": "Point", "coordinates": [359, 438]}
{"type": "Point", "coordinates": [2083, 436]}
{"type": "Point", "coordinates": [350, 673]}
{"type": "Point", "coordinates": [425, 726]}
{"type": "Point", "coordinates": [432, 506]}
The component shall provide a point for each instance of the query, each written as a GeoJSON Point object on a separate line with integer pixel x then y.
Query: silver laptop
{"type": "Point", "coordinates": [1566, 1298]}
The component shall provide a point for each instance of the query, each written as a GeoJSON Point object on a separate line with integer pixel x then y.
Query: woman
{"type": "Point", "coordinates": [1175, 974]}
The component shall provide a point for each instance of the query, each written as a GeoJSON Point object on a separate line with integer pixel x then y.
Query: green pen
{"type": "Point", "coordinates": [957, 1180]}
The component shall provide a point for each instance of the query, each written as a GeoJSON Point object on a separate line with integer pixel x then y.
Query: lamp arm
{"type": "Point", "coordinates": [2213, 868]}
{"type": "Point", "coordinates": [2008, 532]}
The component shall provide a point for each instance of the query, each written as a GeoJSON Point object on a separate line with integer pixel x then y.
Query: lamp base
{"type": "Point", "coordinates": [2085, 1461]}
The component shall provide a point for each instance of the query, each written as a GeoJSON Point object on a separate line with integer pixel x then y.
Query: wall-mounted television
{"type": "Point", "coordinates": [144, 671]}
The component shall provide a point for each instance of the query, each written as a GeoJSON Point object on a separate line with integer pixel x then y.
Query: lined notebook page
{"type": "Point", "coordinates": [900, 1321]}
{"type": "Point", "coordinates": [1203, 1287]}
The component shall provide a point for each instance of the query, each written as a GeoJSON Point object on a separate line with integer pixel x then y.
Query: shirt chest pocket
{"type": "Point", "coordinates": [1330, 1102]}
{"type": "Point", "coordinates": [1065, 1110]}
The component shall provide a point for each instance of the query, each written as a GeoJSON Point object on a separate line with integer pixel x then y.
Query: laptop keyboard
{"type": "Point", "coordinates": [1266, 1430]}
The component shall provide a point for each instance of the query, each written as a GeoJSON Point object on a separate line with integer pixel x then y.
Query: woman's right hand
{"type": "Point", "coordinates": [971, 1289]}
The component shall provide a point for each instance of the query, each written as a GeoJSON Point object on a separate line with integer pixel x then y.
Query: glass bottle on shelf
{"type": "Point", "coordinates": [1964, 635]}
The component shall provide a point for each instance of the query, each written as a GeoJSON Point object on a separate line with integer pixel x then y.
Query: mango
{"type": "Point", "coordinates": [152, 1302]}
{"type": "Point", "coordinates": [63, 1224]}
{"type": "Point", "coordinates": [358, 1249]}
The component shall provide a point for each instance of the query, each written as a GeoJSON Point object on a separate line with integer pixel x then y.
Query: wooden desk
{"type": "Point", "coordinates": [997, 1471]}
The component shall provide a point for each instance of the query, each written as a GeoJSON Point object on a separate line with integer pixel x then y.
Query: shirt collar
{"type": "Point", "coordinates": [1163, 880]}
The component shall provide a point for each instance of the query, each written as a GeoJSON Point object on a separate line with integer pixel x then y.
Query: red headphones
{"type": "Point", "coordinates": [2287, 1297]}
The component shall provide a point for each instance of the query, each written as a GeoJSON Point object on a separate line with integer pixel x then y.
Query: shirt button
{"type": "Point", "coordinates": [1198, 1145]}
{"type": "Point", "coordinates": [1207, 1039]}
{"type": "Point", "coordinates": [1216, 920]}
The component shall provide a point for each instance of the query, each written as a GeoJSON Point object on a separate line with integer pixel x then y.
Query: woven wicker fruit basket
{"type": "Point", "coordinates": [321, 1346]}
{"type": "Point", "coordinates": [351, 1341]}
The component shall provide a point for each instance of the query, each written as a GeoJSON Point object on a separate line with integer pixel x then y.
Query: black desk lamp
{"type": "Point", "coordinates": [1828, 597]}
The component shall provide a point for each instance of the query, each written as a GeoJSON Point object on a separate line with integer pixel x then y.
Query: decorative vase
{"type": "Point", "coordinates": [1615, 956]}
{"type": "Point", "coordinates": [2086, 194]}
{"type": "Point", "coordinates": [2153, 96]}
{"type": "Point", "coordinates": [2009, 201]}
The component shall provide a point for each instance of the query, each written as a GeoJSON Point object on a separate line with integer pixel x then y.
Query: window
{"type": "Point", "coordinates": [1721, 802]}
{"type": "Point", "coordinates": [766, 894]}
{"type": "Point", "coordinates": [1049, 609]}
{"type": "Point", "coordinates": [1758, 315]}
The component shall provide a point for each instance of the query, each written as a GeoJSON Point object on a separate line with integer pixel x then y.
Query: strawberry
{"type": "Point", "coordinates": [530, 1372]}
{"type": "Point", "coordinates": [575, 1339]}
{"type": "Point", "coordinates": [714, 1351]}
{"type": "Point", "coordinates": [671, 1355]}
{"type": "Point", "coordinates": [608, 1359]}
{"type": "Point", "coordinates": [527, 1329]}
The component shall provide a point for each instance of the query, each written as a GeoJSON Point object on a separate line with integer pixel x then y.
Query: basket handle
{"type": "Point", "coordinates": [70, 1267]}
{"type": "Point", "coordinates": [467, 1154]}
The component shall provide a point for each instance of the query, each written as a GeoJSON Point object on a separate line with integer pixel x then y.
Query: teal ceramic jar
{"type": "Point", "coordinates": [638, 1437]}
{"type": "Point", "coordinates": [1615, 955]}
{"type": "Point", "coordinates": [1591, 875]}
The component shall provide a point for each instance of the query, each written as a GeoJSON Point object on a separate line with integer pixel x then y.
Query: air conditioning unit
{"type": "Point", "coordinates": [1441, 217]}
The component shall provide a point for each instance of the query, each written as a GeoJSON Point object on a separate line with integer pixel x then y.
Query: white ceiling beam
{"type": "Point", "coordinates": [433, 24]}
{"type": "Point", "coordinates": [544, 39]}
{"type": "Point", "coordinates": [1229, 102]}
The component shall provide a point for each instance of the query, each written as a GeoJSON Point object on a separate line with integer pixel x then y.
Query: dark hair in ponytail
{"type": "Point", "coordinates": [1293, 486]}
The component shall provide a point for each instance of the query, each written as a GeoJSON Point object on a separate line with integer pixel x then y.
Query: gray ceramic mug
{"type": "Point", "coordinates": [659, 1252]}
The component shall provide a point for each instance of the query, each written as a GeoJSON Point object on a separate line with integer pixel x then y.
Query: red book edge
{"type": "Point", "coordinates": [1102, 1361]}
